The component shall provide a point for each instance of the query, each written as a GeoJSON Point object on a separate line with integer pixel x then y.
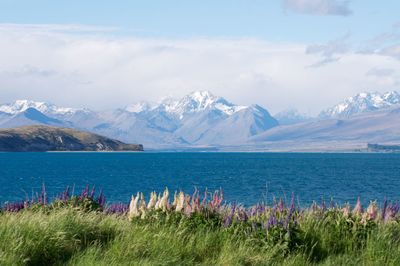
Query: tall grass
{"type": "Point", "coordinates": [79, 231]}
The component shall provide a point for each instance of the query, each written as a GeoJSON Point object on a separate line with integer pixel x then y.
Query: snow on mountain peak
{"type": "Point", "coordinates": [194, 102]}
{"type": "Point", "coordinates": [201, 100]}
{"type": "Point", "coordinates": [22, 105]}
{"type": "Point", "coordinates": [139, 107]}
{"type": "Point", "coordinates": [362, 102]}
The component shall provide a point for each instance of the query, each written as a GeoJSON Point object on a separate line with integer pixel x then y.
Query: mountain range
{"type": "Point", "coordinates": [202, 120]}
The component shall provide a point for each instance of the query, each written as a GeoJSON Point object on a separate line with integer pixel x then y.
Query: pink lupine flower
{"type": "Point", "coordinates": [358, 210]}
{"type": "Point", "coordinates": [346, 211]}
{"type": "Point", "coordinates": [372, 211]}
{"type": "Point", "coordinates": [196, 200]}
{"type": "Point", "coordinates": [204, 201]}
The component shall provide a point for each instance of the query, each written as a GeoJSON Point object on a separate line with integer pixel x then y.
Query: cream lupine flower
{"type": "Point", "coordinates": [142, 206]}
{"type": "Point", "coordinates": [152, 201]}
{"type": "Point", "coordinates": [175, 200]}
{"type": "Point", "coordinates": [372, 211]}
{"type": "Point", "coordinates": [180, 201]}
{"type": "Point", "coordinates": [133, 207]}
{"type": "Point", "coordinates": [164, 200]}
{"type": "Point", "coordinates": [157, 206]}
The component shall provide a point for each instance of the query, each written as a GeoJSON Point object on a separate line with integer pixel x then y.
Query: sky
{"type": "Point", "coordinates": [281, 54]}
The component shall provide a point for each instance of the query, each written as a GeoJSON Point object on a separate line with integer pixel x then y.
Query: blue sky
{"type": "Point", "coordinates": [290, 53]}
{"type": "Point", "coordinates": [269, 20]}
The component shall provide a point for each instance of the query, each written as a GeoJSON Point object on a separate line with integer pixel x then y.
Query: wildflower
{"type": "Point", "coordinates": [142, 206]}
{"type": "Point", "coordinates": [152, 201]}
{"type": "Point", "coordinates": [227, 221]}
{"type": "Point", "coordinates": [180, 201]}
{"type": "Point", "coordinates": [358, 210]}
{"type": "Point", "coordinates": [157, 206]}
{"type": "Point", "coordinates": [164, 200]}
{"type": "Point", "coordinates": [346, 210]}
{"type": "Point", "coordinates": [391, 212]}
{"type": "Point", "coordinates": [133, 207]}
{"type": "Point", "coordinates": [372, 211]}
{"type": "Point", "coordinates": [384, 209]}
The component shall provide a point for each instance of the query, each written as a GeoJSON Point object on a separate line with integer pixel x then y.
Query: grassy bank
{"type": "Point", "coordinates": [79, 231]}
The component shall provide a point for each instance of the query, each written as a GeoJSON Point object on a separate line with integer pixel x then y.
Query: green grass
{"type": "Point", "coordinates": [69, 236]}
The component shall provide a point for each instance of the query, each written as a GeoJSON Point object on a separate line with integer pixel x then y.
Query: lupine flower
{"type": "Point", "coordinates": [164, 200]}
{"type": "Point", "coordinates": [281, 206]}
{"type": "Point", "coordinates": [332, 204]}
{"type": "Point", "coordinates": [92, 192]}
{"type": "Point", "coordinates": [323, 205]}
{"type": "Point", "coordinates": [358, 210]}
{"type": "Point", "coordinates": [133, 208]}
{"type": "Point", "coordinates": [142, 206]}
{"type": "Point", "coordinates": [372, 211]}
{"type": "Point", "coordinates": [227, 221]}
{"type": "Point", "coordinates": [152, 200]}
{"type": "Point", "coordinates": [14, 206]}
{"type": "Point", "coordinates": [116, 208]}
{"type": "Point", "coordinates": [187, 208]}
{"type": "Point", "coordinates": [180, 201]}
{"type": "Point", "coordinates": [346, 210]}
{"type": "Point", "coordinates": [204, 201]}
{"type": "Point", "coordinates": [314, 207]}
{"type": "Point", "coordinates": [384, 209]}
{"type": "Point", "coordinates": [157, 206]}
{"type": "Point", "coordinates": [391, 212]}
{"type": "Point", "coordinates": [195, 200]}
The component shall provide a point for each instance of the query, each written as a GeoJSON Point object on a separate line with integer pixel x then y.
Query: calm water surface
{"type": "Point", "coordinates": [245, 177]}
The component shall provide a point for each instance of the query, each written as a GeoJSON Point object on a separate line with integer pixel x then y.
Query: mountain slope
{"type": "Point", "coordinates": [45, 138]}
{"type": "Point", "coordinates": [382, 126]}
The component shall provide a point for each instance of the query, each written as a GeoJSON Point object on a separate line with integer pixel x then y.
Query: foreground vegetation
{"type": "Point", "coordinates": [191, 230]}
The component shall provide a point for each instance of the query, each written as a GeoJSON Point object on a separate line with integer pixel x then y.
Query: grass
{"type": "Point", "coordinates": [73, 234]}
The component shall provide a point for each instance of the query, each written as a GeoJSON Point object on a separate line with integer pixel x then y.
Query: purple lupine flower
{"type": "Point", "coordinates": [391, 212]}
{"type": "Point", "coordinates": [281, 206]}
{"type": "Point", "coordinates": [117, 208]}
{"type": "Point", "coordinates": [92, 192]}
{"type": "Point", "coordinates": [384, 209]}
{"type": "Point", "coordinates": [14, 206]}
{"type": "Point", "coordinates": [323, 205]}
{"type": "Point", "coordinates": [44, 194]}
{"type": "Point", "coordinates": [227, 221]}
{"type": "Point", "coordinates": [332, 204]}
{"type": "Point", "coordinates": [99, 199]}
{"type": "Point", "coordinates": [66, 194]}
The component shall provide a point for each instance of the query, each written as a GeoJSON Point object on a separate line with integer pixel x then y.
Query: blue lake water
{"type": "Point", "coordinates": [245, 177]}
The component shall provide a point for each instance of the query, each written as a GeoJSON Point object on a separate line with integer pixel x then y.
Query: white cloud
{"type": "Point", "coordinates": [102, 71]}
{"type": "Point", "coordinates": [319, 7]}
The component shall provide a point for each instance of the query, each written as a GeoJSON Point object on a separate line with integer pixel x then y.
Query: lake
{"type": "Point", "coordinates": [245, 177]}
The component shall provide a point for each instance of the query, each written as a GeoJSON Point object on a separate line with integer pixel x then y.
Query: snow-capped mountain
{"type": "Point", "coordinates": [20, 106]}
{"type": "Point", "coordinates": [362, 102]}
{"type": "Point", "coordinates": [199, 118]}
{"type": "Point", "coordinates": [199, 101]}
{"type": "Point", "coordinates": [290, 117]}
